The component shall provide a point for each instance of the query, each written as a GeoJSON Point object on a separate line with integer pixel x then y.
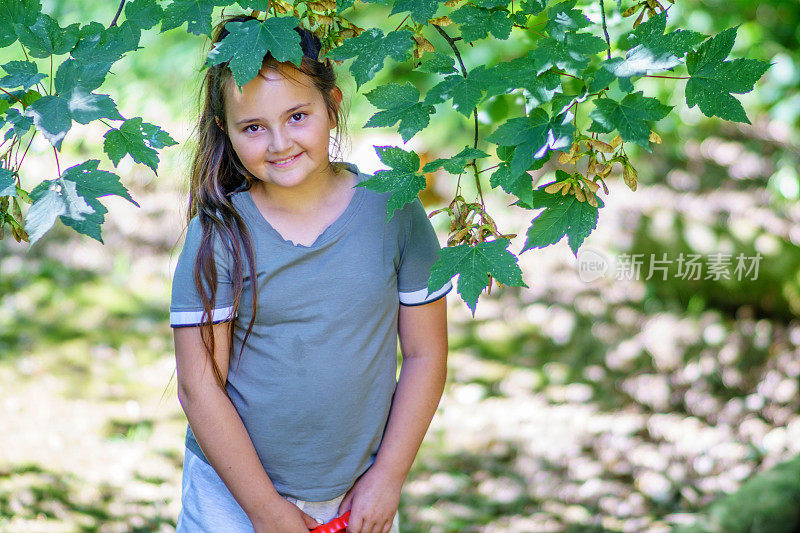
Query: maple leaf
{"type": "Point", "coordinates": [713, 79]}
{"type": "Point", "coordinates": [473, 265]}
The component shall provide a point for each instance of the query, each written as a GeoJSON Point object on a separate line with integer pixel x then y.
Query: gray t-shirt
{"type": "Point", "coordinates": [317, 377]}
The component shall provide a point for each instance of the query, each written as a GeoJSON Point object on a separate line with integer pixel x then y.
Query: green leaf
{"type": "Point", "coordinates": [473, 265]}
{"type": "Point", "coordinates": [571, 55]}
{"type": "Point", "coordinates": [371, 48]}
{"type": "Point", "coordinates": [421, 10]}
{"type": "Point", "coordinates": [72, 73]}
{"type": "Point", "coordinates": [126, 34]}
{"type": "Point", "coordinates": [455, 165]}
{"type": "Point", "coordinates": [520, 185]}
{"type": "Point", "coordinates": [564, 215]}
{"type": "Point", "coordinates": [24, 12]}
{"type": "Point", "coordinates": [53, 199]}
{"type": "Point", "coordinates": [651, 50]}
{"type": "Point", "coordinates": [98, 46]}
{"type": "Point", "coordinates": [23, 74]}
{"type": "Point", "coordinates": [402, 181]}
{"type": "Point", "coordinates": [629, 116]}
{"type": "Point", "coordinates": [20, 124]}
{"type": "Point", "coordinates": [533, 136]}
{"type": "Point", "coordinates": [518, 73]}
{"type": "Point", "coordinates": [197, 13]}
{"type": "Point", "coordinates": [477, 22]}
{"type": "Point", "coordinates": [465, 92]}
{"type": "Point", "coordinates": [247, 43]}
{"type": "Point", "coordinates": [137, 139]}
{"type": "Point", "coordinates": [74, 197]}
{"type": "Point", "coordinates": [561, 102]}
{"type": "Point", "coordinates": [562, 18]}
{"type": "Point", "coordinates": [400, 102]}
{"type": "Point", "coordinates": [258, 5]}
{"type": "Point", "coordinates": [437, 63]}
{"type": "Point", "coordinates": [53, 114]}
{"type": "Point", "coordinates": [713, 79]}
{"type": "Point", "coordinates": [8, 185]}
{"type": "Point", "coordinates": [144, 14]}
{"type": "Point", "coordinates": [539, 198]}
{"type": "Point", "coordinates": [45, 37]}
{"type": "Point", "coordinates": [533, 7]}
{"type": "Point", "coordinates": [342, 5]}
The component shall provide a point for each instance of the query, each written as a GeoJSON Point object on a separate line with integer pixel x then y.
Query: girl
{"type": "Point", "coordinates": [295, 288]}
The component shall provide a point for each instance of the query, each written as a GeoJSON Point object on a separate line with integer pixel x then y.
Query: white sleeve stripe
{"type": "Point", "coordinates": [417, 297]}
{"type": "Point", "coordinates": [194, 318]}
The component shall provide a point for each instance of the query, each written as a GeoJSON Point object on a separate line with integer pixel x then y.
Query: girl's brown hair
{"type": "Point", "coordinates": [216, 172]}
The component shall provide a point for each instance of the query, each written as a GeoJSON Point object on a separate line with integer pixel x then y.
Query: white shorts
{"type": "Point", "coordinates": [207, 506]}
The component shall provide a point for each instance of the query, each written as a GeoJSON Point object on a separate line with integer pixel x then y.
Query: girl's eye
{"type": "Point", "coordinates": [247, 128]}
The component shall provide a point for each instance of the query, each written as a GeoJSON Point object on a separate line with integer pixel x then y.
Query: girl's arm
{"type": "Point", "coordinates": [422, 330]}
{"type": "Point", "coordinates": [220, 432]}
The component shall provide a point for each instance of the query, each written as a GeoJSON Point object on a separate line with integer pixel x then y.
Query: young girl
{"type": "Point", "coordinates": [295, 288]}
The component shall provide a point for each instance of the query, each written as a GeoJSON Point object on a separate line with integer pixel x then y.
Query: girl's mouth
{"type": "Point", "coordinates": [285, 162]}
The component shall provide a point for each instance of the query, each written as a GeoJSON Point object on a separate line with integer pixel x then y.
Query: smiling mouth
{"type": "Point", "coordinates": [286, 162]}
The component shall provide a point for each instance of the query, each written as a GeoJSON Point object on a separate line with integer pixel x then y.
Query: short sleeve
{"type": "Point", "coordinates": [420, 251]}
{"type": "Point", "coordinates": [186, 307]}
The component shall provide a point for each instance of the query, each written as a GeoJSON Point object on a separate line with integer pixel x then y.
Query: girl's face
{"type": "Point", "coordinates": [280, 128]}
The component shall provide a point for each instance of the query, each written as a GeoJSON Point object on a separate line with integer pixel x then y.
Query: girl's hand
{"type": "Point", "coordinates": [372, 502]}
{"type": "Point", "coordinates": [284, 517]}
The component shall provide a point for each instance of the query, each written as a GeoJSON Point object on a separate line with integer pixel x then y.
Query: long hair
{"type": "Point", "coordinates": [216, 172]}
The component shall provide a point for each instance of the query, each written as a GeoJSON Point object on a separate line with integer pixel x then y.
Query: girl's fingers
{"type": "Point", "coordinates": [311, 523]}
{"type": "Point", "coordinates": [346, 503]}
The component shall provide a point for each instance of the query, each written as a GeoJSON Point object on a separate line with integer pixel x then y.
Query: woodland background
{"type": "Point", "coordinates": [618, 405]}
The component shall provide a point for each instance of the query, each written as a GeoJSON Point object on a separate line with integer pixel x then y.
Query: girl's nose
{"type": "Point", "coordinates": [280, 142]}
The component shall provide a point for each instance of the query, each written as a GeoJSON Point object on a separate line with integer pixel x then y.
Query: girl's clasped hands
{"type": "Point", "coordinates": [372, 501]}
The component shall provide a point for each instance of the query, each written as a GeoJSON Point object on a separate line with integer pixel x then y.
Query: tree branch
{"type": "Point", "coordinates": [119, 10]}
{"type": "Point", "coordinates": [605, 28]}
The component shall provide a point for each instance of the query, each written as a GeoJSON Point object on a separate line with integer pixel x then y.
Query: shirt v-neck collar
{"type": "Point", "coordinates": [246, 201]}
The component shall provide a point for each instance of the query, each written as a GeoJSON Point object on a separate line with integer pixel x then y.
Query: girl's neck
{"type": "Point", "coordinates": [310, 196]}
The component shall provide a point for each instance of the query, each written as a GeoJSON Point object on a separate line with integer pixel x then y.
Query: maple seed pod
{"type": "Point", "coordinates": [579, 193]}
{"type": "Point", "coordinates": [574, 149]}
{"type": "Point", "coordinates": [316, 6]}
{"type": "Point", "coordinates": [630, 11]}
{"type": "Point", "coordinates": [427, 46]}
{"type": "Point", "coordinates": [441, 21]}
{"type": "Point", "coordinates": [605, 172]}
{"type": "Point", "coordinates": [616, 141]}
{"type": "Point", "coordinates": [346, 33]}
{"type": "Point", "coordinates": [592, 199]}
{"type": "Point", "coordinates": [639, 19]}
{"type": "Point", "coordinates": [553, 187]}
{"type": "Point", "coordinates": [654, 137]}
{"type": "Point", "coordinates": [592, 166]}
{"type": "Point", "coordinates": [312, 18]}
{"type": "Point", "coordinates": [329, 4]}
{"type": "Point", "coordinates": [417, 52]}
{"type": "Point", "coordinates": [452, 3]}
{"type": "Point", "coordinates": [325, 20]}
{"type": "Point", "coordinates": [600, 146]}
{"type": "Point", "coordinates": [591, 185]}
{"type": "Point", "coordinates": [564, 158]}
{"type": "Point", "coordinates": [630, 176]}
{"type": "Point", "coordinates": [565, 187]}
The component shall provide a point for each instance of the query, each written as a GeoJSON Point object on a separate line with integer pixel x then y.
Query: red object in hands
{"type": "Point", "coordinates": [336, 525]}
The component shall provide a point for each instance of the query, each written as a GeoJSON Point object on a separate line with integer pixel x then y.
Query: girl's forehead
{"type": "Point", "coordinates": [270, 84]}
